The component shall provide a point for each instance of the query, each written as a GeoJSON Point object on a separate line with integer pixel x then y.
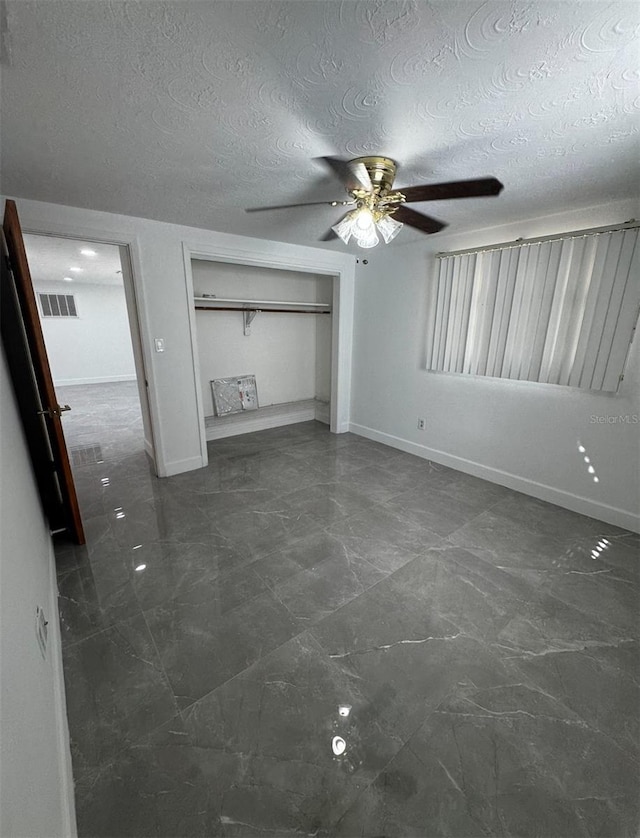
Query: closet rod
{"type": "Point", "coordinates": [261, 310]}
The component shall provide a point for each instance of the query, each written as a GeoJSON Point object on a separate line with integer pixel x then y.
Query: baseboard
{"type": "Point", "coordinates": [323, 412]}
{"type": "Point", "coordinates": [272, 416]}
{"type": "Point", "coordinates": [560, 497]}
{"type": "Point", "coordinates": [151, 454]}
{"type": "Point", "coordinates": [180, 466]}
{"type": "Point", "coordinates": [108, 379]}
{"type": "Point", "coordinates": [67, 796]}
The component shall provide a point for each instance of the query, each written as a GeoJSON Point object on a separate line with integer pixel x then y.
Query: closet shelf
{"type": "Point", "coordinates": [270, 416]}
{"type": "Point", "coordinates": [282, 306]}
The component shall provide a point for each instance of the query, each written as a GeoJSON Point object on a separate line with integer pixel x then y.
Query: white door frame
{"type": "Point", "coordinates": [134, 295]}
{"type": "Point", "coordinates": [340, 267]}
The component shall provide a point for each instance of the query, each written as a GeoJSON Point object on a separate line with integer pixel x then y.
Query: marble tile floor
{"type": "Point", "coordinates": [106, 415]}
{"type": "Point", "coordinates": [475, 650]}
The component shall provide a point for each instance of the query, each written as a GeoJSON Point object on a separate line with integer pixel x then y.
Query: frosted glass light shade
{"type": "Point", "coordinates": [360, 224]}
{"type": "Point", "coordinates": [344, 228]}
{"type": "Point", "coordinates": [363, 222]}
{"type": "Point", "coordinates": [366, 238]}
{"type": "Point", "coordinates": [364, 228]}
{"type": "Point", "coordinates": [388, 228]}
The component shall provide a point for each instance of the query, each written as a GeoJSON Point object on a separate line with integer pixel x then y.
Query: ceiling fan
{"type": "Point", "coordinates": [378, 208]}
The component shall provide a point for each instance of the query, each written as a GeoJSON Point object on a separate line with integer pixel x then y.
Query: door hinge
{"type": "Point", "coordinates": [54, 411]}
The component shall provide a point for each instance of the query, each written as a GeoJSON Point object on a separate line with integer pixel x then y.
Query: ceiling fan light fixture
{"type": "Point", "coordinates": [364, 228]}
{"type": "Point", "coordinates": [368, 239]}
{"type": "Point", "coordinates": [363, 221]}
{"type": "Point", "coordinates": [369, 184]}
{"type": "Point", "coordinates": [344, 228]}
{"type": "Point", "coordinates": [360, 224]}
{"type": "Point", "coordinates": [388, 228]}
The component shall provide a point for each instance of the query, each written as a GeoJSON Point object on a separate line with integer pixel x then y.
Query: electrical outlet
{"type": "Point", "coordinates": [422, 424]}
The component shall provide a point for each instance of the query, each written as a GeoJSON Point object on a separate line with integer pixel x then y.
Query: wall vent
{"type": "Point", "coordinates": [58, 305]}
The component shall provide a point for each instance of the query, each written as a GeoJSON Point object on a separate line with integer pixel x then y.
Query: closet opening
{"type": "Point", "coordinates": [263, 340]}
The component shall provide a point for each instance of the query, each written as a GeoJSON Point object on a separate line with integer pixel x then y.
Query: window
{"type": "Point", "coordinates": [58, 305]}
{"type": "Point", "coordinates": [560, 311]}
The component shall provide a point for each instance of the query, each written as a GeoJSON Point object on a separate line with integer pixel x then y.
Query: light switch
{"type": "Point", "coordinates": [159, 342]}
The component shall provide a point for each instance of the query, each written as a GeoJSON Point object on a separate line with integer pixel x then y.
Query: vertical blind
{"type": "Point", "coordinates": [561, 311]}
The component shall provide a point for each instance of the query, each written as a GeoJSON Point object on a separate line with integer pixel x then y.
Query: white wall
{"type": "Point", "coordinates": [164, 303]}
{"type": "Point", "coordinates": [281, 350]}
{"type": "Point", "coordinates": [95, 347]}
{"type": "Point", "coordinates": [323, 357]}
{"type": "Point", "coordinates": [36, 790]}
{"type": "Point", "coordinates": [521, 434]}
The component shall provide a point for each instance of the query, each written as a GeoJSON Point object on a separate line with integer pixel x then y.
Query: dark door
{"type": "Point", "coordinates": [31, 376]}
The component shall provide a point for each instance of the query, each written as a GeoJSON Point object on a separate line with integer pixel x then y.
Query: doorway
{"type": "Point", "coordinates": [87, 309]}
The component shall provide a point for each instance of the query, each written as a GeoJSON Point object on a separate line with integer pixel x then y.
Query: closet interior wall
{"type": "Point", "coordinates": [289, 353]}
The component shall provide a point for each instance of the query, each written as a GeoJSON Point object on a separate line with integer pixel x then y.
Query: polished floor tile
{"type": "Point", "coordinates": [508, 760]}
{"type": "Point", "coordinates": [320, 635]}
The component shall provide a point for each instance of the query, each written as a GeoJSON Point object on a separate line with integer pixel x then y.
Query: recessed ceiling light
{"type": "Point", "coordinates": [68, 278]}
{"type": "Point", "coordinates": [76, 270]}
{"type": "Point", "coordinates": [86, 251]}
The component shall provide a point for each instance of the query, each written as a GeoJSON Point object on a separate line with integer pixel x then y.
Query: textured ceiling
{"type": "Point", "coordinates": [190, 111]}
{"type": "Point", "coordinates": [51, 259]}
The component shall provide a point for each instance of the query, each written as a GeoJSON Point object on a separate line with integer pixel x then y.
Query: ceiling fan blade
{"type": "Point", "coordinates": [482, 187]}
{"type": "Point", "coordinates": [352, 175]}
{"type": "Point", "coordinates": [308, 204]}
{"type": "Point", "coordinates": [330, 235]}
{"type": "Point", "coordinates": [416, 219]}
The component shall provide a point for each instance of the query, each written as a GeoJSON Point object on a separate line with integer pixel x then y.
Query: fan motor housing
{"type": "Point", "coordinates": [382, 171]}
